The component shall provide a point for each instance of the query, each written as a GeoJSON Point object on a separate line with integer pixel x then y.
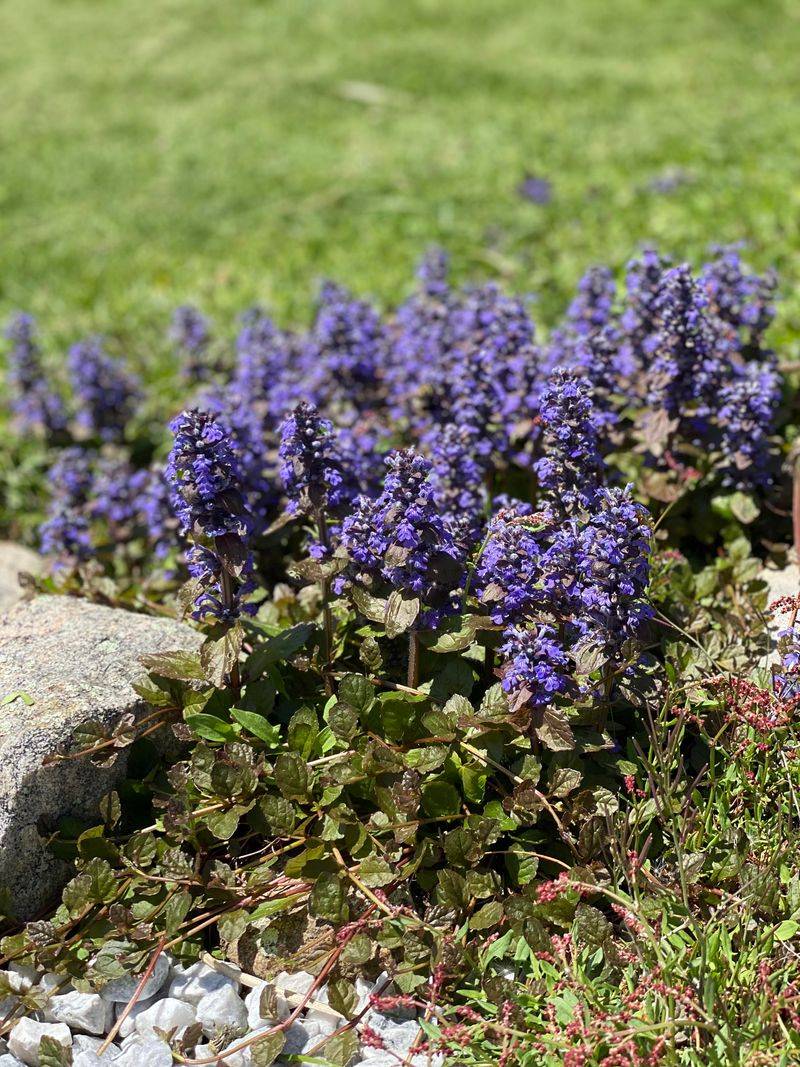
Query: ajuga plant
{"type": "Point", "coordinates": [481, 610]}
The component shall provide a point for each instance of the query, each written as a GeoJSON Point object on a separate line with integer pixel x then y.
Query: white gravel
{"type": "Point", "coordinates": [179, 996]}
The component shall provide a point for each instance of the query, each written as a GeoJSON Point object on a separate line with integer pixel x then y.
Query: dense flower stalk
{"type": "Point", "coordinates": [745, 415]}
{"type": "Point", "coordinates": [104, 392]}
{"type": "Point", "coordinates": [190, 334]}
{"type": "Point", "coordinates": [35, 405]}
{"type": "Point", "coordinates": [65, 534]}
{"type": "Point", "coordinates": [401, 540]}
{"type": "Point", "coordinates": [116, 494]}
{"type": "Point", "coordinates": [459, 480]}
{"type": "Point", "coordinates": [348, 345]}
{"type": "Point", "coordinates": [571, 468]}
{"type": "Point", "coordinates": [313, 470]}
{"type": "Point", "coordinates": [745, 301]}
{"type": "Point", "coordinates": [691, 352]}
{"type": "Point", "coordinates": [208, 500]}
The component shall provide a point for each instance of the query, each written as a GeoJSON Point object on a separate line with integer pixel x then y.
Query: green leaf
{"type": "Point", "coordinates": [219, 656]}
{"type": "Point", "coordinates": [451, 889]}
{"type": "Point", "coordinates": [328, 898]}
{"type": "Point", "coordinates": [342, 997]}
{"type": "Point", "coordinates": [175, 911]}
{"type": "Point", "coordinates": [342, 1049]}
{"type": "Point", "coordinates": [210, 727]}
{"type": "Point", "coordinates": [279, 814]}
{"type": "Point", "coordinates": [279, 648]}
{"type": "Point", "coordinates": [291, 774]}
{"type": "Point", "coordinates": [26, 698]}
{"type": "Point", "coordinates": [459, 633]}
{"type": "Point", "coordinates": [494, 704]}
{"type": "Point", "coordinates": [223, 824]}
{"type": "Point", "coordinates": [372, 607]}
{"type": "Point", "coordinates": [54, 1054]}
{"type": "Point", "coordinates": [358, 951]}
{"type": "Point", "coordinates": [487, 916]}
{"type": "Point", "coordinates": [375, 872]}
{"type": "Point", "coordinates": [343, 721]}
{"type": "Point", "coordinates": [182, 666]}
{"type": "Point", "coordinates": [303, 731]}
{"type": "Point", "coordinates": [786, 930]}
{"type": "Point", "coordinates": [744, 507]}
{"type": "Point", "coordinates": [263, 1053]}
{"type": "Point", "coordinates": [426, 759]}
{"type": "Point", "coordinates": [439, 798]}
{"type": "Point", "coordinates": [102, 880]}
{"type": "Point", "coordinates": [401, 613]}
{"type": "Point", "coordinates": [590, 926]}
{"type": "Point", "coordinates": [258, 726]}
{"type": "Point", "coordinates": [110, 808]}
{"type": "Point", "coordinates": [357, 691]}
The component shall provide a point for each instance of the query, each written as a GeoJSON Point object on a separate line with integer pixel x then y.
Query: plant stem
{"type": "Point", "coordinates": [228, 600]}
{"type": "Point", "coordinates": [796, 509]}
{"type": "Point", "coordinates": [413, 658]}
{"type": "Point", "coordinates": [327, 616]}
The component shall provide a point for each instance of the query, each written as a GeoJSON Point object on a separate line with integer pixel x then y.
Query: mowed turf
{"type": "Point", "coordinates": [223, 153]}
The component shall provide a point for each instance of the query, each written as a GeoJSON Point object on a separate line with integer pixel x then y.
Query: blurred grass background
{"type": "Point", "coordinates": [230, 152]}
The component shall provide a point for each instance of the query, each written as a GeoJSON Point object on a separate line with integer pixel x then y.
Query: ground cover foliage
{"type": "Point", "coordinates": [484, 701]}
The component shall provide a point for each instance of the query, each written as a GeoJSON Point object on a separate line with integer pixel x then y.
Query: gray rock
{"type": "Point", "coordinates": [76, 660]}
{"type": "Point", "coordinates": [128, 1025]}
{"type": "Point", "coordinates": [85, 1012]}
{"type": "Point", "coordinates": [14, 560]}
{"type": "Point", "coordinates": [167, 1015]}
{"type": "Point", "coordinates": [120, 990]}
{"type": "Point", "coordinates": [235, 1059]}
{"type": "Point", "coordinates": [7, 1060]}
{"type": "Point", "coordinates": [27, 1035]}
{"type": "Point", "coordinates": [150, 1052]}
{"type": "Point", "coordinates": [198, 980]}
{"type": "Point", "coordinates": [222, 1008]}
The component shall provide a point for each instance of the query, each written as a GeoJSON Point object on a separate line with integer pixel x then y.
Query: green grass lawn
{"type": "Point", "coordinates": [223, 153]}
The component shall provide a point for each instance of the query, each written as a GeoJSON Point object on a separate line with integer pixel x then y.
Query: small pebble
{"type": "Point", "coordinates": [86, 1012]}
{"type": "Point", "coordinates": [120, 990]}
{"type": "Point", "coordinates": [193, 983]}
{"type": "Point", "coordinates": [150, 1052]}
{"type": "Point", "coordinates": [223, 1007]}
{"type": "Point", "coordinates": [252, 1002]}
{"type": "Point", "coordinates": [168, 1015]}
{"type": "Point", "coordinates": [26, 1037]}
{"type": "Point", "coordinates": [128, 1025]}
{"type": "Point", "coordinates": [237, 1059]}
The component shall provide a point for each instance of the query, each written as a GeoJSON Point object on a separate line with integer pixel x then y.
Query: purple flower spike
{"type": "Point", "coordinates": [313, 469]}
{"type": "Point", "coordinates": [571, 468]}
{"type": "Point", "coordinates": [105, 393]}
{"type": "Point", "coordinates": [35, 404]}
{"type": "Point", "coordinates": [207, 498]}
{"type": "Point", "coordinates": [401, 540]}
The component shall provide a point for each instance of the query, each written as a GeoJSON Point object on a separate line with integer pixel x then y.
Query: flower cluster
{"type": "Point", "coordinates": [190, 334]}
{"type": "Point", "coordinates": [65, 534]}
{"type": "Point", "coordinates": [560, 585]}
{"type": "Point", "coordinates": [207, 498]}
{"type": "Point", "coordinates": [571, 468]}
{"type": "Point", "coordinates": [35, 405]}
{"type": "Point", "coordinates": [104, 391]}
{"type": "Point", "coordinates": [313, 470]}
{"type": "Point", "coordinates": [401, 540]}
{"type": "Point", "coordinates": [743, 300]}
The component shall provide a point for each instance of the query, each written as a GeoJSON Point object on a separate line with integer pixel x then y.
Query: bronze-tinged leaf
{"type": "Point", "coordinates": [232, 553]}
{"type": "Point", "coordinates": [554, 730]}
{"type": "Point", "coordinates": [265, 1051]}
{"type": "Point", "coordinates": [218, 657]}
{"type": "Point", "coordinates": [372, 607]}
{"type": "Point", "coordinates": [457, 634]}
{"type": "Point", "coordinates": [401, 614]}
